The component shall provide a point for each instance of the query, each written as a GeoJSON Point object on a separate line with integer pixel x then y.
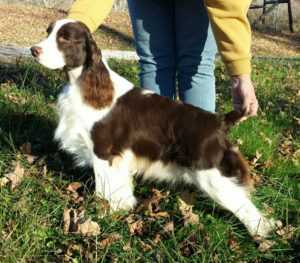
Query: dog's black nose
{"type": "Point", "coordinates": [36, 51]}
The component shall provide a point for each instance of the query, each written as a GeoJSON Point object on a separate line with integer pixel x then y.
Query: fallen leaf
{"type": "Point", "coordinates": [16, 176]}
{"type": "Point", "coordinates": [109, 240]}
{"type": "Point", "coordinates": [71, 219]}
{"type": "Point", "coordinates": [169, 227]}
{"type": "Point", "coordinates": [74, 223]}
{"type": "Point", "coordinates": [127, 247]}
{"type": "Point", "coordinates": [73, 188]}
{"type": "Point", "coordinates": [286, 146]}
{"type": "Point", "coordinates": [31, 158]}
{"type": "Point", "coordinates": [136, 226]}
{"type": "Point", "coordinates": [254, 161]}
{"type": "Point", "coordinates": [286, 232]}
{"type": "Point", "coordinates": [146, 247]}
{"type": "Point", "coordinates": [257, 178]}
{"type": "Point", "coordinates": [157, 238]}
{"type": "Point", "coordinates": [186, 201]}
{"type": "Point", "coordinates": [268, 209]}
{"type": "Point", "coordinates": [89, 228]}
{"type": "Point", "coordinates": [188, 246]}
{"type": "Point", "coordinates": [159, 214]}
{"type": "Point", "coordinates": [233, 244]}
{"type": "Point", "coordinates": [266, 245]}
{"type": "Point", "coordinates": [67, 220]}
{"type": "Point", "coordinates": [3, 181]}
{"type": "Point", "coordinates": [151, 204]}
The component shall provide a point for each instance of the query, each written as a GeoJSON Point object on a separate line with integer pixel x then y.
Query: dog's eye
{"type": "Point", "coordinates": [63, 40]}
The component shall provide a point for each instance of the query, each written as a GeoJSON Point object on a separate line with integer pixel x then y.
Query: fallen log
{"type": "Point", "coordinates": [14, 54]}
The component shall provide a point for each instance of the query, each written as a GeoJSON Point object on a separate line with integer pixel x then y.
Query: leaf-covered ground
{"type": "Point", "coordinates": [48, 212]}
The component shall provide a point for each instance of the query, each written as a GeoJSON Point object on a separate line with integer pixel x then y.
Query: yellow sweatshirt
{"type": "Point", "coordinates": [228, 18]}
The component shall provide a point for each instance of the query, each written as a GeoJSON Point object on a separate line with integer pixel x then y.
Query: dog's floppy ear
{"type": "Point", "coordinates": [93, 53]}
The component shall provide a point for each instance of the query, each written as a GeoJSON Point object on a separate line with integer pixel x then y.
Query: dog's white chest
{"type": "Point", "coordinates": [76, 120]}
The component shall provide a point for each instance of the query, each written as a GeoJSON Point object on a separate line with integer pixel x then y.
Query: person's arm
{"type": "Point", "coordinates": [232, 32]}
{"type": "Point", "coordinates": [90, 12]}
{"type": "Point", "coordinates": [233, 36]}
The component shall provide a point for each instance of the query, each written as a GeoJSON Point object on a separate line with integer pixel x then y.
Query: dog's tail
{"type": "Point", "coordinates": [233, 117]}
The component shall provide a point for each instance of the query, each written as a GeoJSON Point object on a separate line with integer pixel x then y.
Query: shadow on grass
{"type": "Point", "coordinates": [117, 35]}
{"type": "Point", "coordinates": [33, 78]}
{"type": "Point", "coordinates": [19, 128]}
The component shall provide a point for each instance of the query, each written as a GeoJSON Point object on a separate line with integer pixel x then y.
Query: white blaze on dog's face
{"type": "Point", "coordinates": [69, 43]}
{"type": "Point", "coordinates": [49, 54]}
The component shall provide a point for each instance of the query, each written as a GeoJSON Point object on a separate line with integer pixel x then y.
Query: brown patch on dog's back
{"type": "Point", "coordinates": [159, 129]}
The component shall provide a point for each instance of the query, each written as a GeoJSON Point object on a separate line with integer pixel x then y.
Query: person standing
{"type": "Point", "coordinates": [176, 42]}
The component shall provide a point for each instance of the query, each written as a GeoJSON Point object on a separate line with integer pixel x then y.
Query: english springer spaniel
{"type": "Point", "coordinates": [122, 131]}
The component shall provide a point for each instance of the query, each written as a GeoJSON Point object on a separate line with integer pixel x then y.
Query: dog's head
{"type": "Point", "coordinates": [69, 44]}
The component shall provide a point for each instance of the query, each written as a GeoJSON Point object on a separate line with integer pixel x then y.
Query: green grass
{"type": "Point", "coordinates": [31, 216]}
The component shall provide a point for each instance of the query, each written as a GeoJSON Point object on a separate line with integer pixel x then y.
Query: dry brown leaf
{"type": "Point", "coordinates": [157, 238]}
{"type": "Point", "coordinates": [67, 220]}
{"type": "Point", "coordinates": [257, 178]}
{"type": "Point", "coordinates": [72, 223]}
{"type": "Point", "coordinates": [268, 164]}
{"type": "Point", "coordinates": [233, 244]}
{"type": "Point", "coordinates": [109, 240]}
{"type": "Point", "coordinates": [188, 246]}
{"type": "Point", "coordinates": [71, 218]}
{"type": "Point", "coordinates": [286, 147]}
{"type": "Point", "coordinates": [136, 227]}
{"type": "Point", "coordinates": [266, 245]}
{"type": "Point", "coordinates": [30, 158]}
{"type": "Point", "coordinates": [73, 187]}
{"type": "Point", "coordinates": [268, 209]}
{"type": "Point", "coordinates": [186, 208]}
{"type": "Point", "coordinates": [89, 228]}
{"type": "Point", "coordinates": [16, 176]}
{"type": "Point", "coordinates": [169, 227]}
{"type": "Point", "coordinates": [159, 214]}
{"type": "Point", "coordinates": [3, 181]}
{"type": "Point", "coordinates": [127, 247]}
{"type": "Point", "coordinates": [286, 232]}
{"type": "Point", "coordinates": [152, 203]}
{"type": "Point", "coordinates": [254, 161]}
{"type": "Point", "coordinates": [146, 247]}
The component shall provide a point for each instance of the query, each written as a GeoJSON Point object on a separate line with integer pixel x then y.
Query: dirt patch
{"type": "Point", "coordinates": [276, 44]}
{"type": "Point", "coordinates": [25, 25]}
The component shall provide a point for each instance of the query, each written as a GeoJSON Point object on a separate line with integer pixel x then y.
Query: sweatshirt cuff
{"type": "Point", "coordinates": [239, 67]}
{"type": "Point", "coordinates": [85, 20]}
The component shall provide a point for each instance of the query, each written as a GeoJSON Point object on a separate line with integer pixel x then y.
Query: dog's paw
{"type": "Point", "coordinates": [264, 227]}
{"type": "Point", "coordinates": [122, 203]}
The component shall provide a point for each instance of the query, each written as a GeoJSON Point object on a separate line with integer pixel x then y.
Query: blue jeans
{"type": "Point", "coordinates": [176, 47]}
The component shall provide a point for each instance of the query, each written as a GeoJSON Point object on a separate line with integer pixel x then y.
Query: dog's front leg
{"type": "Point", "coordinates": [114, 183]}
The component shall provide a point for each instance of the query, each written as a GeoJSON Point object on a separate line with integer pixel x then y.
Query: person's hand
{"type": "Point", "coordinates": [243, 95]}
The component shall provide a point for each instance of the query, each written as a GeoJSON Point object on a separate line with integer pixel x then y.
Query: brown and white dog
{"type": "Point", "coordinates": [122, 131]}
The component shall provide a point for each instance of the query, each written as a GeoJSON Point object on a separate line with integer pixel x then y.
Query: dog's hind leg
{"type": "Point", "coordinates": [114, 183]}
{"type": "Point", "coordinates": [234, 197]}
